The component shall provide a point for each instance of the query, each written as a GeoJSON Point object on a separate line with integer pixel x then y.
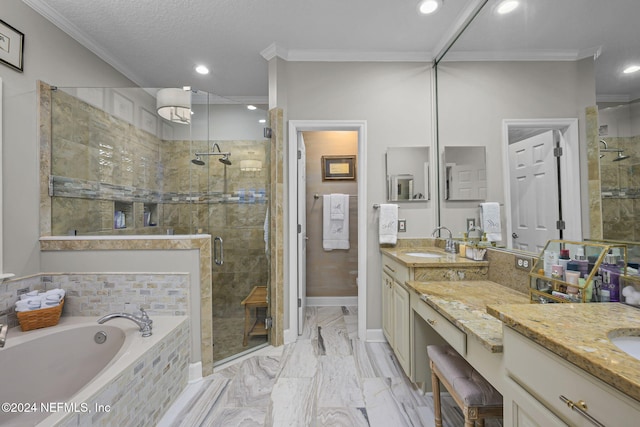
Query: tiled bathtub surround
{"type": "Point", "coordinates": [142, 393]}
{"type": "Point", "coordinates": [99, 294]}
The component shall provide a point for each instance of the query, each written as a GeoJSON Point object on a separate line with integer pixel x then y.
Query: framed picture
{"type": "Point", "coordinates": [11, 46]}
{"type": "Point", "coordinates": [338, 167]}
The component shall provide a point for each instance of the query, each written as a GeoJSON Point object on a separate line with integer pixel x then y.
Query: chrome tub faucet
{"type": "Point", "coordinates": [3, 334]}
{"type": "Point", "coordinates": [143, 321]}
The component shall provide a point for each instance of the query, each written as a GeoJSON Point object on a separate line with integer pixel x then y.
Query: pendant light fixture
{"type": "Point", "coordinates": [174, 104]}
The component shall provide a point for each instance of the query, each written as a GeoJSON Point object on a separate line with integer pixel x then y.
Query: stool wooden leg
{"type": "Point", "coordinates": [247, 325]}
{"type": "Point", "coordinates": [435, 385]}
{"type": "Point", "coordinates": [480, 422]}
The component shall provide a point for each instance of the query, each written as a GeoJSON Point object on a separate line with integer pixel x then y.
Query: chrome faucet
{"type": "Point", "coordinates": [3, 334]}
{"type": "Point", "coordinates": [450, 245]}
{"type": "Point", "coordinates": [143, 321]}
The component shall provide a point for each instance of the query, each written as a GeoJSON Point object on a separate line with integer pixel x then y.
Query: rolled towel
{"type": "Point", "coordinates": [59, 292]}
{"type": "Point", "coordinates": [53, 298]}
{"type": "Point", "coordinates": [22, 306]}
{"type": "Point", "coordinates": [29, 295]}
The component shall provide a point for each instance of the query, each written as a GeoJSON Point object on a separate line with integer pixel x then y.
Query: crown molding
{"type": "Point", "coordinates": [334, 55]}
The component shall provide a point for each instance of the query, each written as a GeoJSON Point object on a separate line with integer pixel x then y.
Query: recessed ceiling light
{"type": "Point", "coordinates": [507, 6]}
{"type": "Point", "coordinates": [251, 107]}
{"type": "Point", "coordinates": [427, 7]}
{"type": "Point", "coordinates": [201, 69]}
{"type": "Point", "coordinates": [262, 121]}
{"type": "Point", "coordinates": [632, 69]}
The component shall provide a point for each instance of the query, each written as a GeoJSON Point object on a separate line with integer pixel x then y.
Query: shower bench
{"type": "Point", "coordinates": [257, 299]}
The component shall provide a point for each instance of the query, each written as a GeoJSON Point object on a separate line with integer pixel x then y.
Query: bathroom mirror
{"type": "Point", "coordinates": [526, 66]}
{"type": "Point", "coordinates": [407, 174]}
{"type": "Point", "coordinates": [465, 173]}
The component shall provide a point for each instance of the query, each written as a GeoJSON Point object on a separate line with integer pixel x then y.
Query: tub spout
{"type": "Point", "coordinates": [143, 321]}
{"type": "Point", "coordinates": [3, 334]}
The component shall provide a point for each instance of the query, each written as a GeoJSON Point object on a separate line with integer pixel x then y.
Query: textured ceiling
{"type": "Point", "coordinates": [156, 43]}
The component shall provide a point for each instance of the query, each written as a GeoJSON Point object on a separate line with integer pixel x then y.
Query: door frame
{"type": "Point", "coordinates": [569, 167]}
{"type": "Point", "coordinates": [296, 126]}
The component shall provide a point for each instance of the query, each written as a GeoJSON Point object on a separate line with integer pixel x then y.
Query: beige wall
{"type": "Point", "coordinates": [395, 99]}
{"type": "Point", "coordinates": [330, 273]}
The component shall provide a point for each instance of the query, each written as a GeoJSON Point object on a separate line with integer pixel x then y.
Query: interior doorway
{"type": "Point", "coordinates": [541, 158]}
{"type": "Point", "coordinates": [297, 218]}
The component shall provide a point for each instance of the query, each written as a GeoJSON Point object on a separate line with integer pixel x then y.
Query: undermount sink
{"type": "Point", "coordinates": [423, 254]}
{"type": "Point", "coordinates": [628, 344]}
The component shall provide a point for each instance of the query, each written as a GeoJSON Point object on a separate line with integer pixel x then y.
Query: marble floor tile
{"type": "Point", "coordinates": [292, 402]}
{"type": "Point", "coordinates": [349, 383]}
{"type": "Point", "coordinates": [342, 417]}
{"type": "Point", "coordinates": [252, 385]}
{"type": "Point", "coordinates": [300, 360]}
{"type": "Point", "coordinates": [338, 383]}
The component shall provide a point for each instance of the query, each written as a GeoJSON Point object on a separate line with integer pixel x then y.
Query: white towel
{"type": "Point", "coordinates": [388, 223]}
{"type": "Point", "coordinates": [335, 232]}
{"type": "Point", "coordinates": [338, 203]}
{"type": "Point", "coordinates": [490, 219]}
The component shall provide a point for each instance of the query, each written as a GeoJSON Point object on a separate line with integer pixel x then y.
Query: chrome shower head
{"type": "Point", "coordinates": [197, 161]}
{"type": "Point", "coordinates": [225, 160]}
{"type": "Point", "coordinates": [620, 157]}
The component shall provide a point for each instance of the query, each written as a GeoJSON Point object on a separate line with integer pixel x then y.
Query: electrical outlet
{"type": "Point", "coordinates": [523, 262]}
{"type": "Point", "coordinates": [402, 225]}
{"type": "Point", "coordinates": [471, 222]}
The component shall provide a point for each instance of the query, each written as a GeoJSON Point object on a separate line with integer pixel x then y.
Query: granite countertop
{"type": "Point", "coordinates": [464, 304]}
{"type": "Point", "coordinates": [446, 259]}
{"type": "Point", "coordinates": [579, 334]}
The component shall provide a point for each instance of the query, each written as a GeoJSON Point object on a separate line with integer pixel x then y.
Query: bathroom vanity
{"type": "Point", "coordinates": [562, 368]}
{"type": "Point", "coordinates": [553, 363]}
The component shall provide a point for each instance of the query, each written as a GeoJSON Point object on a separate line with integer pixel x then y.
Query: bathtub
{"type": "Point", "coordinates": [62, 376]}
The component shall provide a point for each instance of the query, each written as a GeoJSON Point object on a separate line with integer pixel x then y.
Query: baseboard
{"type": "Point", "coordinates": [290, 336]}
{"type": "Point", "coordinates": [375, 335]}
{"type": "Point", "coordinates": [332, 301]}
{"type": "Point", "coordinates": [195, 372]}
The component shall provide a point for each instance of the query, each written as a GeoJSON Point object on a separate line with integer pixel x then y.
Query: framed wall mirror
{"type": "Point", "coordinates": [407, 174]}
{"type": "Point", "coordinates": [525, 65]}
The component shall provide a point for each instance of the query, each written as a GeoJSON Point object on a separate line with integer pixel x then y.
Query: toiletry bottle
{"type": "Point", "coordinates": [463, 246]}
{"type": "Point", "coordinates": [610, 277]}
{"type": "Point", "coordinates": [572, 277]}
{"type": "Point", "coordinates": [550, 259]}
{"type": "Point", "coordinates": [583, 264]}
{"type": "Point", "coordinates": [564, 259]}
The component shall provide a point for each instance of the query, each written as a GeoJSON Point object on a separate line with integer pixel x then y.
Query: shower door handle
{"type": "Point", "coordinates": [218, 258]}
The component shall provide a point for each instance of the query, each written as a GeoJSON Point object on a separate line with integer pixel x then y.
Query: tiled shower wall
{"type": "Point", "coordinates": [620, 187]}
{"type": "Point", "coordinates": [98, 159]}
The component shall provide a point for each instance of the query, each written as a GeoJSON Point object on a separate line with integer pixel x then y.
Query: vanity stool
{"type": "Point", "coordinates": [257, 299]}
{"type": "Point", "coordinates": [473, 394]}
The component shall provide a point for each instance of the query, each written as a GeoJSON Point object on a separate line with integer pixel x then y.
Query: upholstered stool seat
{"type": "Point", "coordinates": [473, 394]}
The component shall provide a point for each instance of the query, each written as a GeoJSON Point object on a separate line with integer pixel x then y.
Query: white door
{"type": "Point", "coordinates": [535, 203]}
{"type": "Point", "coordinates": [468, 182]}
{"type": "Point", "coordinates": [302, 233]}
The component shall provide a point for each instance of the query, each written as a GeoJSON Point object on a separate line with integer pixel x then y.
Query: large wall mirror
{"type": "Point", "coordinates": [551, 64]}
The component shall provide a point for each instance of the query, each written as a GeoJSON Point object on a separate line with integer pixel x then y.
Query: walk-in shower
{"type": "Point", "coordinates": [606, 149]}
{"type": "Point", "coordinates": [224, 156]}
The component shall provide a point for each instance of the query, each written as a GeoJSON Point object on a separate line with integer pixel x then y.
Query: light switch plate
{"type": "Point", "coordinates": [402, 225]}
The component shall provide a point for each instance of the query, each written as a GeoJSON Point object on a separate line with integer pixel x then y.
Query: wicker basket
{"type": "Point", "coordinates": [41, 318]}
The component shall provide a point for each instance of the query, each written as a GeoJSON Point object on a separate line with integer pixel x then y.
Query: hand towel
{"type": "Point", "coordinates": [338, 203]}
{"type": "Point", "coordinates": [388, 223]}
{"type": "Point", "coordinates": [490, 219]}
{"type": "Point", "coordinates": [335, 232]}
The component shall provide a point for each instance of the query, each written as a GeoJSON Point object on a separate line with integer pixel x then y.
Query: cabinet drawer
{"type": "Point", "coordinates": [447, 330]}
{"type": "Point", "coordinates": [395, 269]}
{"type": "Point", "coordinates": [547, 377]}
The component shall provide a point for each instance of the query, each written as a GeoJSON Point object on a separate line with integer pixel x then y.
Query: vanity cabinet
{"type": "Point", "coordinates": [543, 387]}
{"type": "Point", "coordinates": [395, 310]}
